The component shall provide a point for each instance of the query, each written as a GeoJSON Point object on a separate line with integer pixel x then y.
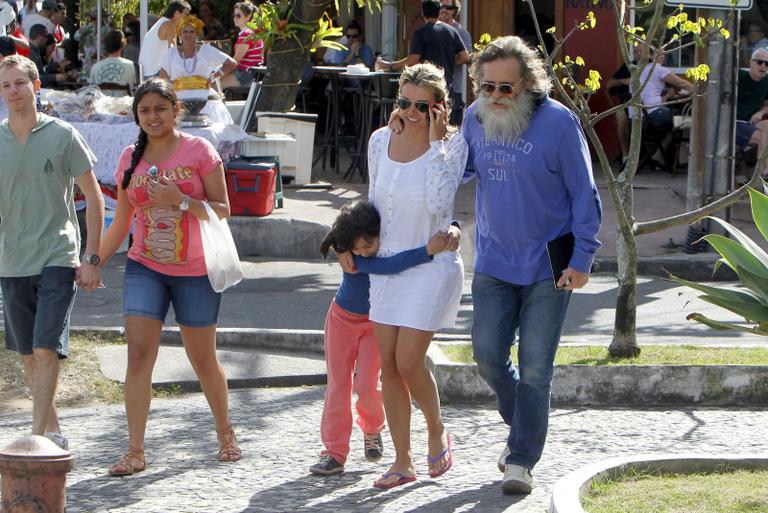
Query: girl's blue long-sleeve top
{"type": "Point", "coordinates": [353, 293]}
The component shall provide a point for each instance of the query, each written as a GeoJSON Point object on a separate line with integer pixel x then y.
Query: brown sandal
{"type": "Point", "coordinates": [131, 463]}
{"type": "Point", "coordinates": [228, 449]}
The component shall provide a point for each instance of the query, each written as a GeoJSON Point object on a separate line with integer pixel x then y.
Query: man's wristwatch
{"type": "Point", "coordinates": [184, 205]}
{"type": "Point", "coordinates": [92, 259]}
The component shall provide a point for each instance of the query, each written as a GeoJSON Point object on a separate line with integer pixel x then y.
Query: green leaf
{"type": "Point", "coordinates": [698, 40]}
{"type": "Point", "coordinates": [755, 283]}
{"type": "Point", "coordinates": [724, 293]}
{"type": "Point", "coordinates": [742, 239]}
{"type": "Point", "coordinates": [759, 203]}
{"type": "Point", "coordinates": [736, 254]}
{"type": "Point", "coordinates": [749, 311]}
{"type": "Point", "coordinates": [718, 325]}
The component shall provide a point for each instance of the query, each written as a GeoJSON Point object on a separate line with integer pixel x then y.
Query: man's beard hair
{"type": "Point", "coordinates": [509, 122]}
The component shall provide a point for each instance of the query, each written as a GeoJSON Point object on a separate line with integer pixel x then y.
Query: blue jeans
{"type": "Point", "coordinates": [538, 310]}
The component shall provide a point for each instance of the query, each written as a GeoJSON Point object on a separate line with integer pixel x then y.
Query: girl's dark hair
{"type": "Point", "coordinates": [356, 219]}
{"type": "Point", "coordinates": [246, 8]}
{"type": "Point", "coordinates": [153, 85]}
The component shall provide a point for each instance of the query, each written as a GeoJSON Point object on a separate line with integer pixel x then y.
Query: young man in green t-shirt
{"type": "Point", "coordinates": [42, 159]}
{"type": "Point", "coordinates": [752, 106]}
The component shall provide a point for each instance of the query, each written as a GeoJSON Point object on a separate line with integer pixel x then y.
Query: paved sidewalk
{"type": "Point", "coordinates": [278, 431]}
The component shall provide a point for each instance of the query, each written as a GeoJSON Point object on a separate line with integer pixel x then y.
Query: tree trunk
{"type": "Point", "coordinates": [624, 343]}
{"type": "Point", "coordinates": [286, 60]}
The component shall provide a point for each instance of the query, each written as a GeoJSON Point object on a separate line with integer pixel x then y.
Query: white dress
{"type": "Point", "coordinates": [205, 62]}
{"type": "Point", "coordinates": [415, 200]}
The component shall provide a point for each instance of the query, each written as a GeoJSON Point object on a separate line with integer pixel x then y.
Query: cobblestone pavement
{"type": "Point", "coordinates": [279, 434]}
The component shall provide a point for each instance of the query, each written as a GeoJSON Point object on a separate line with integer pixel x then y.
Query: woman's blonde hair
{"type": "Point", "coordinates": [430, 77]}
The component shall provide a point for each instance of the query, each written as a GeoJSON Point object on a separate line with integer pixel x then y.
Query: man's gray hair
{"type": "Point", "coordinates": [759, 50]}
{"type": "Point", "coordinates": [532, 68]}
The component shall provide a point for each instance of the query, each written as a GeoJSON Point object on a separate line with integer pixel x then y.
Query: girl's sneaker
{"type": "Point", "coordinates": [374, 447]}
{"type": "Point", "coordinates": [326, 466]}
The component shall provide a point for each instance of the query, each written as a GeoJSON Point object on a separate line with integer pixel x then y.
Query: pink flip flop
{"type": "Point", "coordinates": [447, 453]}
{"type": "Point", "coordinates": [403, 480]}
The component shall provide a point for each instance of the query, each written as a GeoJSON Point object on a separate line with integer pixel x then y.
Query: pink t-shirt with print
{"type": "Point", "coordinates": [166, 239]}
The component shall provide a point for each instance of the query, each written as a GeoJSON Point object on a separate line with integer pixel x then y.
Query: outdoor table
{"type": "Point", "coordinates": [364, 121]}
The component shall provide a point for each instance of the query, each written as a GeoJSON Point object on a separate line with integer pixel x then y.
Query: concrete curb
{"type": "Point", "coordinates": [570, 489]}
{"type": "Point", "coordinates": [627, 385]}
{"type": "Point", "coordinates": [277, 237]}
{"type": "Point", "coordinates": [296, 238]}
{"type": "Point", "coordinates": [580, 385]}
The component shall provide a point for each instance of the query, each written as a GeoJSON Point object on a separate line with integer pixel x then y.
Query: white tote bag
{"type": "Point", "coordinates": [221, 258]}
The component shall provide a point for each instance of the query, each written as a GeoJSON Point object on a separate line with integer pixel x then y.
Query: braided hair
{"type": "Point", "coordinates": [356, 219]}
{"type": "Point", "coordinates": [153, 85]}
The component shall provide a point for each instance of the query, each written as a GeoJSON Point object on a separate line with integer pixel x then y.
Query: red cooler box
{"type": "Point", "coordinates": [251, 187]}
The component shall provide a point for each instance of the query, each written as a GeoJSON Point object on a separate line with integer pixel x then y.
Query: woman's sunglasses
{"type": "Point", "coordinates": [404, 104]}
{"type": "Point", "coordinates": [504, 87]}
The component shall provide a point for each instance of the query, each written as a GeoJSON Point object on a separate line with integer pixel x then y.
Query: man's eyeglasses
{"type": "Point", "coordinates": [760, 62]}
{"type": "Point", "coordinates": [405, 104]}
{"type": "Point", "coordinates": [353, 36]}
{"type": "Point", "coordinates": [504, 87]}
{"type": "Point", "coordinates": [448, 7]}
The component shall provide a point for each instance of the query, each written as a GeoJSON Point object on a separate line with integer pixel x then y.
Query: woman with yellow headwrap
{"type": "Point", "coordinates": [192, 68]}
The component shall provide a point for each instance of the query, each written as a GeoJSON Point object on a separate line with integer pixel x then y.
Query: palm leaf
{"type": "Point", "coordinates": [725, 293]}
{"type": "Point", "coordinates": [755, 283]}
{"type": "Point", "coordinates": [722, 326]}
{"type": "Point", "coordinates": [759, 203]}
{"type": "Point", "coordinates": [735, 254]}
{"type": "Point", "coordinates": [741, 238]}
{"type": "Point", "coordinates": [748, 310]}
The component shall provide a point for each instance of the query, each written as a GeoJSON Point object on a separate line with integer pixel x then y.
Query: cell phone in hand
{"type": "Point", "coordinates": [152, 173]}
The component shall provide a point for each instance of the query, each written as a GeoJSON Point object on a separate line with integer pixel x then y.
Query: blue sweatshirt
{"type": "Point", "coordinates": [353, 293]}
{"type": "Point", "coordinates": [530, 190]}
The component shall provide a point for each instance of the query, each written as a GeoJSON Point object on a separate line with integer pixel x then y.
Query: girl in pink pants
{"type": "Point", "coordinates": [349, 341]}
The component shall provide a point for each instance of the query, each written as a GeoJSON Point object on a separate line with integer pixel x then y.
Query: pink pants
{"type": "Point", "coordinates": [348, 341]}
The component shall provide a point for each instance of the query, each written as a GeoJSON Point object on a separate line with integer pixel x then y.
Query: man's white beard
{"type": "Point", "coordinates": [509, 122]}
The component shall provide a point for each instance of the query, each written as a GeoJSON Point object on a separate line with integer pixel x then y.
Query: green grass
{"type": "Point", "coordinates": [80, 380]}
{"type": "Point", "coordinates": [738, 491]}
{"type": "Point", "coordinates": [650, 355]}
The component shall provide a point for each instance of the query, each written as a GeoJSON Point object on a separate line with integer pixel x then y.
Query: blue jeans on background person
{"type": "Point", "coordinates": [522, 393]}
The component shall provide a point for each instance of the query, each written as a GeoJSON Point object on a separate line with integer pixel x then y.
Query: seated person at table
{"type": "Point", "coordinates": [40, 46]}
{"type": "Point", "coordinates": [213, 29]}
{"type": "Point", "coordinates": [160, 37]}
{"type": "Point", "coordinates": [752, 103]}
{"type": "Point", "coordinates": [248, 52]}
{"type": "Point", "coordinates": [357, 51]}
{"type": "Point", "coordinates": [658, 122]}
{"type": "Point", "coordinates": [114, 69]}
{"type": "Point", "coordinates": [192, 69]}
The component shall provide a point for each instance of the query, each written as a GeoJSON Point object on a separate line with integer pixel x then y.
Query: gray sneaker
{"type": "Point", "coordinates": [58, 439]}
{"type": "Point", "coordinates": [326, 466]}
{"type": "Point", "coordinates": [517, 479]}
{"type": "Point", "coordinates": [503, 458]}
{"type": "Point", "coordinates": [374, 447]}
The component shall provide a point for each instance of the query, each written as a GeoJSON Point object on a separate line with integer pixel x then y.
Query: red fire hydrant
{"type": "Point", "coordinates": [34, 474]}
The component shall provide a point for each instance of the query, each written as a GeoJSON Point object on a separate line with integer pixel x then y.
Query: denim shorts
{"type": "Point", "coordinates": [244, 76]}
{"type": "Point", "coordinates": [36, 310]}
{"type": "Point", "coordinates": [148, 293]}
{"type": "Point", "coordinates": [744, 131]}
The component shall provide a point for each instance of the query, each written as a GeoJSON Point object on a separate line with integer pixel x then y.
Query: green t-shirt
{"type": "Point", "coordinates": [752, 95]}
{"type": "Point", "coordinates": [38, 223]}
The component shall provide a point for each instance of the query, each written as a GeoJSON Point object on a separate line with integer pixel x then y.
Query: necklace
{"type": "Point", "coordinates": [189, 71]}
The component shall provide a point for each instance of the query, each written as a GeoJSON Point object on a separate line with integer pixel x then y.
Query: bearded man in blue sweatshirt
{"type": "Point", "coordinates": [534, 184]}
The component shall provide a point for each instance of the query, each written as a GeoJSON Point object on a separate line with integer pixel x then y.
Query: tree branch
{"type": "Point", "coordinates": [694, 215]}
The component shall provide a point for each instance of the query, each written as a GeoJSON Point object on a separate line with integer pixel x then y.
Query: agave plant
{"type": "Point", "coordinates": [750, 262]}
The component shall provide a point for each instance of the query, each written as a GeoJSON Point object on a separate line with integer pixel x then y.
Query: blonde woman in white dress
{"type": "Point", "coordinates": [413, 180]}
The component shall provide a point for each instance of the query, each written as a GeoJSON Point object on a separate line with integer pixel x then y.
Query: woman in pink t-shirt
{"type": "Point", "coordinates": [248, 52]}
{"type": "Point", "coordinates": [164, 180]}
